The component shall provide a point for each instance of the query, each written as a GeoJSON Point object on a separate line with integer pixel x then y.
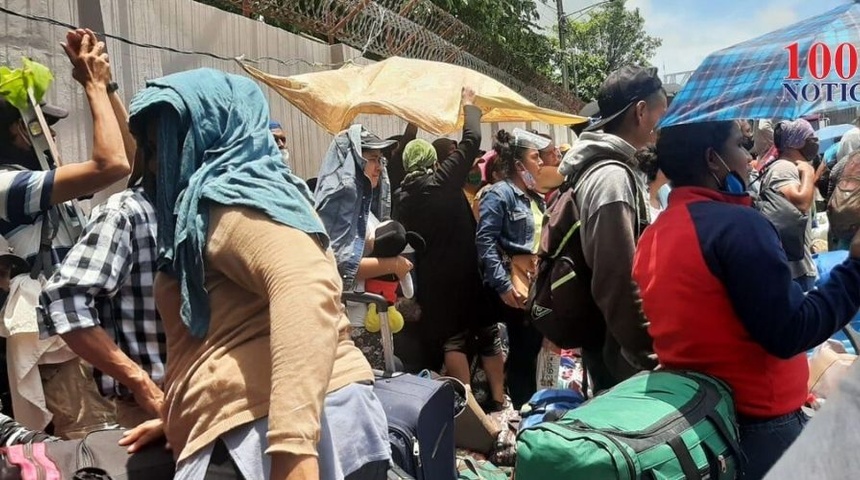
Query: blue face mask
{"type": "Point", "coordinates": [733, 183]}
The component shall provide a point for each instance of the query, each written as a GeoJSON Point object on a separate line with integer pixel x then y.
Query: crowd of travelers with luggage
{"type": "Point", "coordinates": [259, 325]}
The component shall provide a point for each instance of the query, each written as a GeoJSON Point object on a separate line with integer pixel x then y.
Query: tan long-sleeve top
{"type": "Point", "coordinates": [278, 339]}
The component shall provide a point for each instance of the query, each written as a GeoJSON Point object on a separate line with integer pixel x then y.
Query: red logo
{"type": "Point", "coordinates": [821, 62]}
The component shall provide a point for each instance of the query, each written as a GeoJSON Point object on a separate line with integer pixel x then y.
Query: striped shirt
{"type": "Point", "coordinates": [107, 280]}
{"type": "Point", "coordinates": [24, 196]}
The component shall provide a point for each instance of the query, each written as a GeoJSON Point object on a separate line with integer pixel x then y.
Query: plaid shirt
{"type": "Point", "coordinates": [107, 279]}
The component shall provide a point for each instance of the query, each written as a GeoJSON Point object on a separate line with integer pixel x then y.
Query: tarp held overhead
{"type": "Point", "coordinates": [421, 92]}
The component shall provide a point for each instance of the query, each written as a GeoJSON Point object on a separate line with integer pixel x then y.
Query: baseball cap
{"type": "Point", "coordinates": [10, 114]}
{"type": "Point", "coordinates": [621, 90]}
{"type": "Point", "coordinates": [370, 141]}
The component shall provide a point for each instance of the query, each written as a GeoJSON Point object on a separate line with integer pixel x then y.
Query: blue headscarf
{"type": "Point", "coordinates": [213, 144]}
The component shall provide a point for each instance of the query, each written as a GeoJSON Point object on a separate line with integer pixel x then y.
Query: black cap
{"type": "Point", "coordinates": [622, 89]}
{"type": "Point", "coordinates": [369, 141]}
{"type": "Point", "coordinates": [10, 114]}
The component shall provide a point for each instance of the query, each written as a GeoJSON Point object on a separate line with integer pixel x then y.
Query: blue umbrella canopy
{"type": "Point", "coordinates": [827, 136]}
{"type": "Point", "coordinates": [757, 78]}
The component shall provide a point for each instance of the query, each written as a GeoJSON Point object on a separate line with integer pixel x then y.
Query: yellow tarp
{"type": "Point", "coordinates": [419, 91]}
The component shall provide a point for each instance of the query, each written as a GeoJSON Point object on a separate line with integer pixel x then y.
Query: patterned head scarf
{"type": "Point", "coordinates": [793, 134]}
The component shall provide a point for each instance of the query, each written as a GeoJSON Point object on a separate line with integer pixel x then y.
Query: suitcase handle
{"type": "Point", "coordinates": [366, 298]}
{"type": "Point", "coordinates": [384, 328]}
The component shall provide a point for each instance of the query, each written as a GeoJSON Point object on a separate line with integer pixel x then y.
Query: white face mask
{"type": "Point", "coordinates": [285, 155]}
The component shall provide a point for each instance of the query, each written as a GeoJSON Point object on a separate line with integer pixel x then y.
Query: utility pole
{"type": "Point", "coordinates": [562, 43]}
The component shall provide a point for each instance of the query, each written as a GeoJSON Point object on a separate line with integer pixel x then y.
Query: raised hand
{"type": "Point", "coordinates": [90, 63]}
{"type": "Point", "coordinates": [468, 96]}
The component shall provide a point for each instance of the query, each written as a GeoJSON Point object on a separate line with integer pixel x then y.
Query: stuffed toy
{"type": "Point", "coordinates": [390, 240]}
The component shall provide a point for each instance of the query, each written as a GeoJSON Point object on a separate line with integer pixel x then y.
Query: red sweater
{"type": "Point", "coordinates": [717, 290]}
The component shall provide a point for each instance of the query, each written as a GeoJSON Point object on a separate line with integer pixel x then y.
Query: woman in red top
{"type": "Point", "coordinates": [717, 290]}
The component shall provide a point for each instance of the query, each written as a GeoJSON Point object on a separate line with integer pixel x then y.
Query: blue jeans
{"type": "Point", "coordinates": [763, 442]}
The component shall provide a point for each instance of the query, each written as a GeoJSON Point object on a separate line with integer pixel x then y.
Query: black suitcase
{"type": "Point", "coordinates": [420, 411]}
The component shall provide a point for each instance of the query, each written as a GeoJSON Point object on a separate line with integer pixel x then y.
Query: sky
{"type": "Point", "coordinates": [692, 29]}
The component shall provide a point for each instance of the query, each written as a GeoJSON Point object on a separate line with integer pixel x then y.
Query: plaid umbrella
{"type": "Point", "coordinates": [748, 80]}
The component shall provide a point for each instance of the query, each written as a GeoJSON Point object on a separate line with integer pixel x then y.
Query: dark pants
{"type": "Point", "coordinates": [597, 371]}
{"type": "Point", "coordinates": [521, 367]}
{"type": "Point", "coordinates": [763, 442]}
{"type": "Point", "coordinates": [222, 467]}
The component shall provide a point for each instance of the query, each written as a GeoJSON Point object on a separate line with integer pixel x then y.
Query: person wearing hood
{"type": "Point", "coordinates": [454, 312]}
{"type": "Point", "coordinates": [352, 199]}
{"type": "Point", "coordinates": [508, 236]}
{"type": "Point", "coordinates": [263, 380]}
{"type": "Point", "coordinates": [611, 202]}
{"type": "Point", "coordinates": [793, 176]}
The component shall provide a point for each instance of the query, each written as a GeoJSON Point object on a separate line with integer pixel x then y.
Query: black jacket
{"type": "Point", "coordinates": [448, 282]}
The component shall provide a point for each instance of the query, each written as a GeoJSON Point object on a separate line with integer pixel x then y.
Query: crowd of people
{"type": "Point", "coordinates": [203, 302]}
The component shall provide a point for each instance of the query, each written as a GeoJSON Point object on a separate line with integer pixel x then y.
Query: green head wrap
{"type": "Point", "coordinates": [419, 155]}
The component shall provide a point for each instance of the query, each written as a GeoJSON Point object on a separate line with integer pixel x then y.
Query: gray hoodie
{"type": "Point", "coordinates": [613, 210]}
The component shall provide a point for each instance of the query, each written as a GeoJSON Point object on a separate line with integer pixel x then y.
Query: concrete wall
{"type": "Point", "coordinates": [186, 25]}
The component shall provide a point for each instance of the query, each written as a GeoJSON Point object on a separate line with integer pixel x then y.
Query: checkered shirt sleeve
{"type": "Point", "coordinates": [96, 267]}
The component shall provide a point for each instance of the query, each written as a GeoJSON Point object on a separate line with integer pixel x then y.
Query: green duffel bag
{"type": "Point", "coordinates": [659, 425]}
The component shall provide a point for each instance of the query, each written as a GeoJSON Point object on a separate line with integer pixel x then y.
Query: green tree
{"type": "Point", "coordinates": [609, 38]}
{"type": "Point", "coordinates": [510, 24]}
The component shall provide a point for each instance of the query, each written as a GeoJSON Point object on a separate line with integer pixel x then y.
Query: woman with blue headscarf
{"type": "Point", "coordinates": [262, 380]}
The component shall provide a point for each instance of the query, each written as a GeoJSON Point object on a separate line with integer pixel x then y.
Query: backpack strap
{"type": "Point", "coordinates": [640, 205]}
{"type": "Point", "coordinates": [42, 264]}
{"type": "Point", "coordinates": [49, 227]}
{"type": "Point", "coordinates": [569, 186]}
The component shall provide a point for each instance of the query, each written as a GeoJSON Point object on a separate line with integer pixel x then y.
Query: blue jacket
{"type": "Point", "coordinates": [344, 199]}
{"type": "Point", "coordinates": [506, 223]}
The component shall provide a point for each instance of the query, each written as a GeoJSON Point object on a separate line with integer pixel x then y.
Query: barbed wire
{"type": "Point", "coordinates": [415, 29]}
{"type": "Point", "coordinates": [368, 25]}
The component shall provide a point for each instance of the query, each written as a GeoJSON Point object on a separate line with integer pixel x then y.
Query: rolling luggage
{"type": "Point", "coordinates": [420, 411]}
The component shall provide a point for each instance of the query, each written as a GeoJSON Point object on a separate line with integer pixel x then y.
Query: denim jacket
{"type": "Point", "coordinates": [344, 199]}
{"type": "Point", "coordinates": [506, 225]}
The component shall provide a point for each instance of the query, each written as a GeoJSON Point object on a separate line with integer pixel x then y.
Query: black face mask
{"type": "Point", "coordinates": [810, 151]}
{"type": "Point", "coordinates": [748, 144]}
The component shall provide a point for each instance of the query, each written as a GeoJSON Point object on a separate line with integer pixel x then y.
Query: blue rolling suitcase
{"type": "Point", "coordinates": [420, 411]}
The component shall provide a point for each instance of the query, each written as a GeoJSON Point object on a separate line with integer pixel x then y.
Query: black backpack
{"type": "Point", "coordinates": [560, 304]}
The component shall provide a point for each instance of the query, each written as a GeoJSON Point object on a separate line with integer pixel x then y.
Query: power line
{"type": "Point", "coordinates": [287, 63]}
